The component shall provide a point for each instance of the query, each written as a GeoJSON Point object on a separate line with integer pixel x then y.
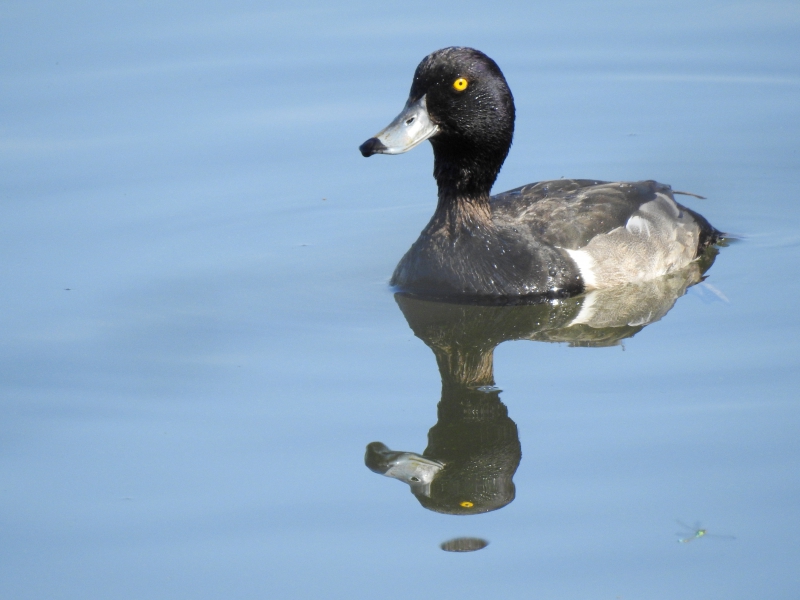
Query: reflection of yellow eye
{"type": "Point", "coordinates": [467, 503]}
{"type": "Point", "coordinates": [460, 84]}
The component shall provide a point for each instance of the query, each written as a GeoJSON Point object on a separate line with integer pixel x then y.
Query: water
{"type": "Point", "coordinates": [199, 341]}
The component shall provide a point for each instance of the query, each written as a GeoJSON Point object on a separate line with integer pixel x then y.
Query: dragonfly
{"type": "Point", "coordinates": [697, 532]}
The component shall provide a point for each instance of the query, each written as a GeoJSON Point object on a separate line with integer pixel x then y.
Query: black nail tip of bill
{"type": "Point", "coordinates": [372, 146]}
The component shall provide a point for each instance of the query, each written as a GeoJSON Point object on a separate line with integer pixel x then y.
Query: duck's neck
{"type": "Point", "coordinates": [464, 184]}
{"type": "Point", "coordinates": [456, 213]}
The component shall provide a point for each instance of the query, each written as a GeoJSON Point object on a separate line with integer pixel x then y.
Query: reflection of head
{"type": "Point", "coordinates": [479, 445]}
{"type": "Point", "coordinates": [472, 455]}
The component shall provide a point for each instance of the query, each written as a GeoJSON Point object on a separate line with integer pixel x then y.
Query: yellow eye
{"type": "Point", "coordinates": [466, 503]}
{"type": "Point", "coordinates": [460, 84]}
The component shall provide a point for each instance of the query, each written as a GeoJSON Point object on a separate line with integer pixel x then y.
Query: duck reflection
{"type": "Point", "coordinates": [473, 450]}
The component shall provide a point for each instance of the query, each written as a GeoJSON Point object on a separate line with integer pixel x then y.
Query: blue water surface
{"type": "Point", "coordinates": [200, 341]}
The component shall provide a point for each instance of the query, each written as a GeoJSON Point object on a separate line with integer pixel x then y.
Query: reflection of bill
{"type": "Point", "coordinates": [414, 469]}
{"type": "Point", "coordinates": [473, 450]}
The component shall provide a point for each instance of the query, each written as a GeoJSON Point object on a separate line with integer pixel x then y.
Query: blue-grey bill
{"type": "Point", "coordinates": [410, 128]}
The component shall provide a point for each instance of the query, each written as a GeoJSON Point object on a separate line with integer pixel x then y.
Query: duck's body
{"type": "Point", "coordinates": [551, 238]}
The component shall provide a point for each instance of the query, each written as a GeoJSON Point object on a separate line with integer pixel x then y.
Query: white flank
{"type": "Point", "coordinates": [586, 266]}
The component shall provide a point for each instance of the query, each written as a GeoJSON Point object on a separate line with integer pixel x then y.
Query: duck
{"type": "Point", "coordinates": [550, 239]}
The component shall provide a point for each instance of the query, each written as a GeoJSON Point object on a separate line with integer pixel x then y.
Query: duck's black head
{"type": "Point", "coordinates": [460, 101]}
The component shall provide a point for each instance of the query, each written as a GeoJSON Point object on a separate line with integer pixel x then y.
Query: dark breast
{"type": "Point", "coordinates": [487, 262]}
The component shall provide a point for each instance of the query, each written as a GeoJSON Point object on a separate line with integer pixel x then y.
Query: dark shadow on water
{"type": "Point", "coordinates": [473, 449]}
{"type": "Point", "coordinates": [464, 544]}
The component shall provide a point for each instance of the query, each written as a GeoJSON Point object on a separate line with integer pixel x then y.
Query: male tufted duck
{"type": "Point", "coordinates": [546, 239]}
